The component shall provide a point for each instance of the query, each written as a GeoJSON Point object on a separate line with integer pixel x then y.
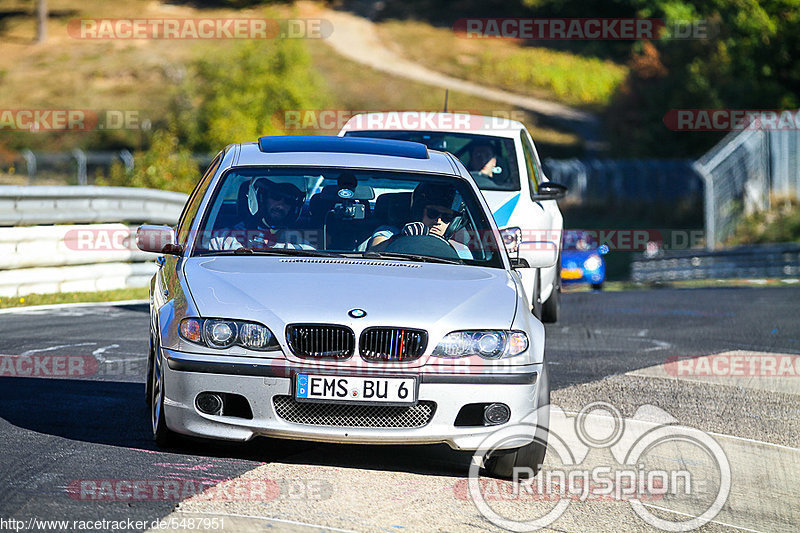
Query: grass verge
{"type": "Point", "coordinates": [355, 87]}
{"type": "Point", "coordinates": [140, 293]}
{"type": "Point", "coordinates": [505, 63]}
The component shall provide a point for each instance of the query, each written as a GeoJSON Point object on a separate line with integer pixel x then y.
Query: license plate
{"type": "Point", "coordinates": [353, 389]}
{"type": "Point", "coordinates": [571, 273]}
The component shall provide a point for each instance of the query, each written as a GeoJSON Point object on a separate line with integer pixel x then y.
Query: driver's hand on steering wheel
{"type": "Point", "coordinates": [414, 228]}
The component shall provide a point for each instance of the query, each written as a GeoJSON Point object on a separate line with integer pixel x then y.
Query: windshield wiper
{"type": "Point", "coordinates": [414, 257]}
{"type": "Point", "coordinates": [272, 251]}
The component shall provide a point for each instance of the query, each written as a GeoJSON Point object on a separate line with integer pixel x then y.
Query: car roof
{"type": "Point", "coordinates": [434, 122]}
{"type": "Point", "coordinates": [328, 151]}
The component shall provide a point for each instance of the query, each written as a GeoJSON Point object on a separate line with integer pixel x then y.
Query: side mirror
{"type": "Point", "coordinates": [549, 190]}
{"type": "Point", "coordinates": [157, 239]}
{"type": "Point", "coordinates": [517, 262]}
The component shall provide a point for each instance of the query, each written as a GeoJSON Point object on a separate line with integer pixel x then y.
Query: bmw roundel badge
{"type": "Point", "coordinates": [357, 313]}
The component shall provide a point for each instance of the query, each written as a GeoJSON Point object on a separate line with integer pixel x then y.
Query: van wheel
{"type": "Point", "coordinates": [536, 303]}
{"type": "Point", "coordinates": [552, 307]}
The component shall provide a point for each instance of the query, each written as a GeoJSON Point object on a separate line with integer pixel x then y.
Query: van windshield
{"type": "Point", "coordinates": [492, 161]}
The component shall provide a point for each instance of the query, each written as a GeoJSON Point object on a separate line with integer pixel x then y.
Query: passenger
{"type": "Point", "coordinates": [274, 210]}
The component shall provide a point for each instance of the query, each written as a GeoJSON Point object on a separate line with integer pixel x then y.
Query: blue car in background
{"type": "Point", "coordinates": [582, 259]}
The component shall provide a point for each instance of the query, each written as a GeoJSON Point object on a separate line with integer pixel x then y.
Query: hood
{"type": "Point", "coordinates": [278, 290]}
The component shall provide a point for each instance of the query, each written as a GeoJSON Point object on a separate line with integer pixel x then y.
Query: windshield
{"type": "Point", "coordinates": [351, 213]}
{"type": "Point", "coordinates": [492, 161]}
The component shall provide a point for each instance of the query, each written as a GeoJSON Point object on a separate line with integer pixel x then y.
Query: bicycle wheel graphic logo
{"type": "Point", "coordinates": [653, 466]}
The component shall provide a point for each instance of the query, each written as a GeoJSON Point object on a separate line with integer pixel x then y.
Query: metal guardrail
{"type": "Point", "coordinates": [21, 205]}
{"type": "Point", "coordinates": [743, 262]}
{"type": "Point", "coordinates": [40, 254]}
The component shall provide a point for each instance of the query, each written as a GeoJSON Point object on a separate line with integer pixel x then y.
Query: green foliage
{"type": "Point", "coordinates": [241, 97]}
{"type": "Point", "coordinates": [779, 224]}
{"type": "Point", "coordinates": [752, 62]}
{"type": "Point", "coordinates": [163, 166]}
{"type": "Point", "coordinates": [572, 79]}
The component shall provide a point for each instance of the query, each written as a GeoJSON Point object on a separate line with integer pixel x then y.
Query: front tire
{"type": "Point", "coordinates": [529, 456]}
{"type": "Point", "coordinates": [597, 286]}
{"type": "Point", "coordinates": [163, 436]}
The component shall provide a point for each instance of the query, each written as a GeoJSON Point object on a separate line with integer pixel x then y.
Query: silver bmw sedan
{"type": "Point", "coordinates": [343, 290]}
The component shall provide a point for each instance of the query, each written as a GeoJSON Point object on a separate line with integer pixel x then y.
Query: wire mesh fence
{"type": "Point", "coordinates": [743, 173]}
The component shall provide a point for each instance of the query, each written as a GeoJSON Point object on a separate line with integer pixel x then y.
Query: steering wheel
{"type": "Point", "coordinates": [422, 245]}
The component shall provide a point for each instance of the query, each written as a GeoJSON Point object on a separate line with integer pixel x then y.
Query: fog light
{"type": "Point", "coordinates": [496, 413]}
{"type": "Point", "coordinates": [209, 403]}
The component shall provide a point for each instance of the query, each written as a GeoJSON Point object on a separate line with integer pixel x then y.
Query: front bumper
{"type": "Point", "coordinates": [186, 375]}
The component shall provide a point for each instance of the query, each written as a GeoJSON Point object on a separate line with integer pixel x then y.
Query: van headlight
{"type": "Point", "coordinates": [222, 333]}
{"type": "Point", "coordinates": [489, 344]}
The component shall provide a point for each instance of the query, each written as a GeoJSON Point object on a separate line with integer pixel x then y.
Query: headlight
{"type": "Point", "coordinates": [489, 344]}
{"type": "Point", "coordinates": [512, 238]}
{"type": "Point", "coordinates": [593, 262]}
{"type": "Point", "coordinates": [222, 333]}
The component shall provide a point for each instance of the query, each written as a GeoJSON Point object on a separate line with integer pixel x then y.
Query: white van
{"type": "Point", "coordinates": [501, 156]}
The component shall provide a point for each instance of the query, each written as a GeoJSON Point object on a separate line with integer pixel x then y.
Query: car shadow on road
{"type": "Point", "coordinates": [114, 413]}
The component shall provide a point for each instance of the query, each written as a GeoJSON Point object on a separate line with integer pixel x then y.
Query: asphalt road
{"type": "Point", "coordinates": [59, 432]}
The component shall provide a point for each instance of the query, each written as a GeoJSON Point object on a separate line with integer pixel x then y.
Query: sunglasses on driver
{"type": "Point", "coordinates": [434, 213]}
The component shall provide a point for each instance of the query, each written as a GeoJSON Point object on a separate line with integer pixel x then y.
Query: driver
{"type": "Point", "coordinates": [482, 159]}
{"type": "Point", "coordinates": [273, 208]}
{"type": "Point", "coordinates": [435, 208]}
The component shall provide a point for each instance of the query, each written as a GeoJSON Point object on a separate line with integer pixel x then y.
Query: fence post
{"type": "Point", "coordinates": [709, 206]}
{"type": "Point", "coordinates": [80, 159]}
{"type": "Point", "coordinates": [30, 164]}
{"type": "Point", "coordinates": [127, 159]}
